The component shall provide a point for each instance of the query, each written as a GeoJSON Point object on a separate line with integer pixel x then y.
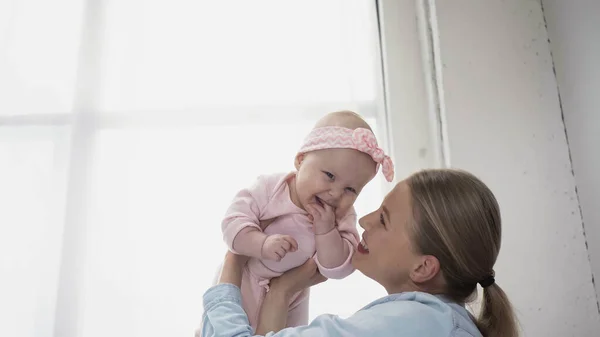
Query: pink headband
{"type": "Point", "coordinates": [335, 137]}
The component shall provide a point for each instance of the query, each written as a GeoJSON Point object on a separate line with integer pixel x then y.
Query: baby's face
{"type": "Point", "coordinates": [334, 177]}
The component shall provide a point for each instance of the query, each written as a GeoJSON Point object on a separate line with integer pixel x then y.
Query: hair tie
{"type": "Point", "coordinates": [488, 281]}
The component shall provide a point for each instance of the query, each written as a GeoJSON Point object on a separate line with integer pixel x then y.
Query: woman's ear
{"type": "Point", "coordinates": [426, 269]}
{"type": "Point", "coordinates": [298, 160]}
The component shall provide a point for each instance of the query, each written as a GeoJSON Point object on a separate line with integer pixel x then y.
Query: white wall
{"type": "Point", "coordinates": [412, 144]}
{"type": "Point", "coordinates": [573, 27]}
{"type": "Point", "coordinates": [504, 123]}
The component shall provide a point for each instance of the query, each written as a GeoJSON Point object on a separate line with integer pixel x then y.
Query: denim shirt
{"type": "Point", "coordinates": [411, 314]}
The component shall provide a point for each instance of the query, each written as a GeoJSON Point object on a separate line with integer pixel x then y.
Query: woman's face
{"type": "Point", "coordinates": [386, 252]}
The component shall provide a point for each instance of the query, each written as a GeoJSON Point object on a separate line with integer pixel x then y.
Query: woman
{"type": "Point", "coordinates": [434, 238]}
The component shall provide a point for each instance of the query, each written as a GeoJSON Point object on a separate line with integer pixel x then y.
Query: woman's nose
{"type": "Point", "coordinates": [365, 221]}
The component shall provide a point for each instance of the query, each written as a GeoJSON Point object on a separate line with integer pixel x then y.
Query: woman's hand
{"type": "Point", "coordinates": [297, 279]}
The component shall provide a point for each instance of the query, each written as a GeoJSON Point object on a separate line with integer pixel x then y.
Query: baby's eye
{"type": "Point", "coordinates": [350, 189]}
{"type": "Point", "coordinates": [329, 175]}
{"type": "Point", "coordinates": [381, 219]}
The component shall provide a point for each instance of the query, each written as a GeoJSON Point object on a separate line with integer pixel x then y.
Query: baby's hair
{"type": "Point", "coordinates": [457, 220]}
{"type": "Point", "coordinates": [345, 118]}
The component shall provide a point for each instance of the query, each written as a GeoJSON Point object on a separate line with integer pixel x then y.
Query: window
{"type": "Point", "coordinates": [127, 126]}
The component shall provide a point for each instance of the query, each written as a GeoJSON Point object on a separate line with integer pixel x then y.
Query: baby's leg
{"type": "Point", "coordinates": [298, 312]}
{"type": "Point", "coordinates": [252, 297]}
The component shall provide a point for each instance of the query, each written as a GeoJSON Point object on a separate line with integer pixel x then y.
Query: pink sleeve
{"type": "Point", "coordinates": [245, 211]}
{"type": "Point", "coordinates": [347, 230]}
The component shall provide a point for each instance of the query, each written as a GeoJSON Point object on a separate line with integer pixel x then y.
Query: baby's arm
{"type": "Point", "coordinates": [241, 226]}
{"type": "Point", "coordinates": [335, 248]}
{"type": "Point", "coordinates": [249, 242]}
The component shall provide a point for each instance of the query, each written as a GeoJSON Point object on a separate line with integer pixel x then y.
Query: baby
{"type": "Point", "coordinates": [284, 219]}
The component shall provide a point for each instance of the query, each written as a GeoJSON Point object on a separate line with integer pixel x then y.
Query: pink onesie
{"type": "Point", "coordinates": [269, 198]}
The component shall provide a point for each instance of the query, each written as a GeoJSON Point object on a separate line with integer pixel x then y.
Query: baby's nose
{"type": "Point", "coordinates": [336, 192]}
{"type": "Point", "coordinates": [333, 200]}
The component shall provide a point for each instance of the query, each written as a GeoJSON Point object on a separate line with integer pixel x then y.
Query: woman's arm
{"type": "Point", "coordinates": [273, 312]}
{"type": "Point", "coordinates": [223, 305]}
{"type": "Point", "coordinates": [225, 317]}
{"type": "Point", "coordinates": [404, 316]}
{"type": "Point", "coordinates": [233, 266]}
{"type": "Point", "coordinates": [274, 309]}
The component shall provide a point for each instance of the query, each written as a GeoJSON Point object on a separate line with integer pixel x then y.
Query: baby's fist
{"type": "Point", "coordinates": [277, 245]}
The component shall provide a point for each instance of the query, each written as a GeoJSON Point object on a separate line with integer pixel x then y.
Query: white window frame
{"type": "Point", "coordinates": [413, 85]}
{"type": "Point", "coordinates": [410, 111]}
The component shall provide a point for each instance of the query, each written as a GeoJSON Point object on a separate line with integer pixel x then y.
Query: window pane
{"type": "Point", "coordinates": [32, 177]}
{"type": "Point", "coordinates": [183, 54]}
{"type": "Point", "coordinates": [155, 239]}
{"type": "Point", "coordinates": [39, 42]}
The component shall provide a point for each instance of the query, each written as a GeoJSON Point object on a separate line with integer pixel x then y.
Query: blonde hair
{"type": "Point", "coordinates": [346, 118]}
{"type": "Point", "coordinates": [457, 220]}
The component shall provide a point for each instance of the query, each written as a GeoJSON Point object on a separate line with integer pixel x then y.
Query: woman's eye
{"type": "Point", "coordinates": [329, 175]}
{"type": "Point", "coordinates": [381, 219]}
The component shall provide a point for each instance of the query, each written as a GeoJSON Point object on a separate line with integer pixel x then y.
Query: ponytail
{"type": "Point", "coordinates": [496, 318]}
{"type": "Point", "coordinates": [457, 219]}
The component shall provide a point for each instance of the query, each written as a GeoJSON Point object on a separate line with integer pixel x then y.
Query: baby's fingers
{"type": "Point", "coordinates": [293, 244]}
{"type": "Point", "coordinates": [316, 210]}
{"type": "Point", "coordinates": [328, 209]}
{"type": "Point", "coordinates": [312, 211]}
{"type": "Point", "coordinates": [280, 253]}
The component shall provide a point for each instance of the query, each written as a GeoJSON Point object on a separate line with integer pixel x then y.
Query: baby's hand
{"type": "Point", "coordinates": [322, 217]}
{"type": "Point", "coordinates": [276, 246]}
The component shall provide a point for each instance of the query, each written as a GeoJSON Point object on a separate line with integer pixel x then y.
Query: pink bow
{"type": "Point", "coordinates": [365, 141]}
{"type": "Point", "coordinates": [361, 139]}
{"type": "Point", "coordinates": [264, 283]}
